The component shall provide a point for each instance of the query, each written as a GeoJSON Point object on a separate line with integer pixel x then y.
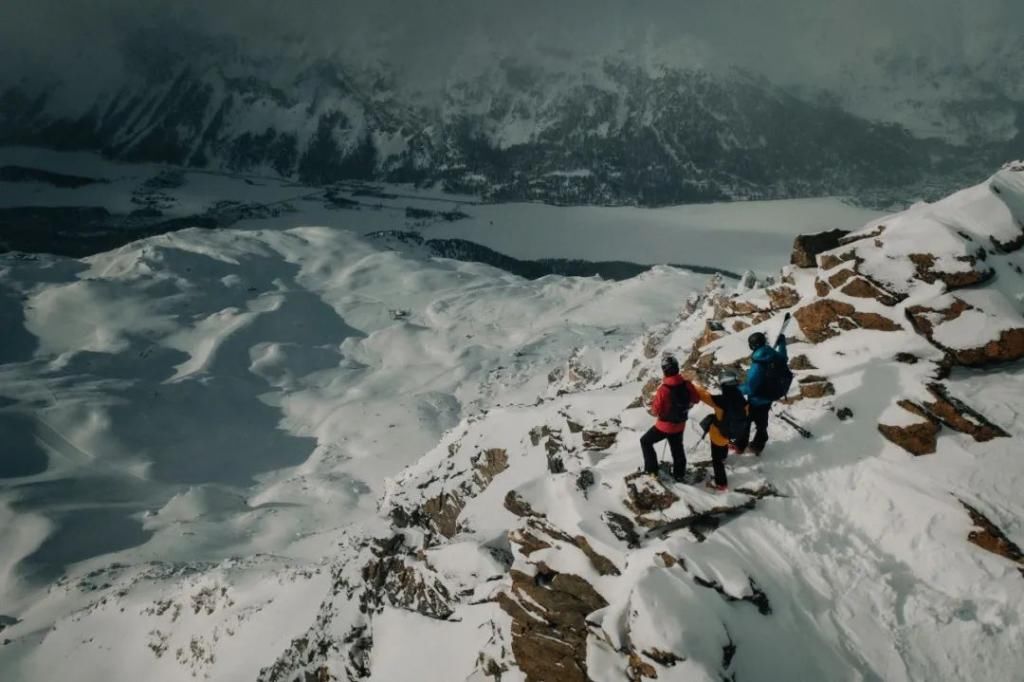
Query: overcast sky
{"type": "Point", "coordinates": [799, 41]}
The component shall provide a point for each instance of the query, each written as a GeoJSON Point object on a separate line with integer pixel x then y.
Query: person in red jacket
{"type": "Point", "coordinates": [670, 406]}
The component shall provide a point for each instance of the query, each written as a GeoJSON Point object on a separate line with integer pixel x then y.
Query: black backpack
{"type": "Point", "coordinates": [733, 424]}
{"type": "Point", "coordinates": [776, 378]}
{"type": "Point", "coordinates": [678, 404]}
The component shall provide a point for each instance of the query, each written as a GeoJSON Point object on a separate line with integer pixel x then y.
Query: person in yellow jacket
{"type": "Point", "coordinates": [729, 422]}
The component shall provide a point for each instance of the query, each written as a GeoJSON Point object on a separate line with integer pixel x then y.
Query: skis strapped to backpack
{"type": "Point", "coordinates": [778, 377]}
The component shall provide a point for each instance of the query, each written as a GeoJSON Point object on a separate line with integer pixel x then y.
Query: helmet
{"type": "Point", "coordinates": [669, 365]}
{"type": "Point", "coordinates": [756, 340]}
{"type": "Point", "coordinates": [728, 378]}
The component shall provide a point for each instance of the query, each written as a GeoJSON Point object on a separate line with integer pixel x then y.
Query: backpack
{"type": "Point", "coordinates": [734, 422]}
{"type": "Point", "coordinates": [776, 380]}
{"type": "Point", "coordinates": [677, 406]}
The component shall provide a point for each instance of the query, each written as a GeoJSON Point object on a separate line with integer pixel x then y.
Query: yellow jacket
{"type": "Point", "coordinates": [714, 434]}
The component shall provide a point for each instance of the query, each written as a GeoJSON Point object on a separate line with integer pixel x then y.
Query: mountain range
{"type": "Point", "coordinates": [606, 131]}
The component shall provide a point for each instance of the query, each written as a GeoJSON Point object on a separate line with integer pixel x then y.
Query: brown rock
{"type": "Point", "coordinates": [838, 279]}
{"type": "Point", "coordinates": [819, 320]}
{"type": "Point", "coordinates": [801, 363]}
{"type": "Point", "coordinates": [917, 439]}
{"type": "Point", "coordinates": [740, 325]}
{"type": "Point", "coordinates": [814, 391]}
{"type": "Point", "coordinates": [861, 287]}
{"type": "Point", "coordinates": [829, 261]}
{"type": "Point", "coordinates": [594, 439]}
{"type": "Point", "coordinates": [515, 503]}
{"type": "Point", "coordinates": [487, 465]}
{"type": "Point", "coordinates": [1014, 244]}
{"type": "Point", "coordinates": [665, 658]}
{"type": "Point", "coordinates": [731, 307]}
{"type": "Point", "coordinates": [712, 332]}
{"type": "Point", "coordinates": [622, 528]}
{"type": "Point", "coordinates": [920, 316]}
{"type": "Point", "coordinates": [1007, 347]}
{"type": "Point", "coordinates": [668, 559]}
{"type": "Point", "coordinates": [647, 494]}
{"type": "Point", "coordinates": [821, 288]}
{"type": "Point", "coordinates": [639, 669]}
{"type": "Point", "coordinates": [549, 629]}
{"type": "Point", "coordinates": [652, 342]}
{"type": "Point", "coordinates": [783, 297]}
{"type": "Point", "coordinates": [924, 264]}
{"type": "Point", "coordinates": [602, 564]}
{"type": "Point", "coordinates": [857, 237]}
{"type": "Point", "coordinates": [989, 537]}
{"type": "Point", "coordinates": [959, 416]}
{"type": "Point", "coordinates": [647, 392]}
{"type": "Point", "coordinates": [527, 541]}
{"type": "Point", "coordinates": [405, 584]}
{"type": "Point", "coordinates": [443, 512]}
{"type": "Point", "coordinates": [807, 246]}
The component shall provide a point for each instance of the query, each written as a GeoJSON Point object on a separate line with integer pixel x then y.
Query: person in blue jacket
{"type": "Point", "coordinates": [760, 406]}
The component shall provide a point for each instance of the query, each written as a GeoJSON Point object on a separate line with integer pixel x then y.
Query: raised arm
{"type": "Point", "coordinates": [703, 395]}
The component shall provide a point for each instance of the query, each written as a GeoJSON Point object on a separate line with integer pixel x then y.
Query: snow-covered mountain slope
{"type": "Point", "coordinates": [606, 130]}
{"type": "Point", "coordinates": [521, 544]}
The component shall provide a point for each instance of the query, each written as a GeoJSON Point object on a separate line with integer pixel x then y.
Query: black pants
{"type": "Point", "coordinates": [718, 455]}
{"type": "Point", "coordinates": [675, 444]}
{"type": "Point", "coordinates": [759, 420]}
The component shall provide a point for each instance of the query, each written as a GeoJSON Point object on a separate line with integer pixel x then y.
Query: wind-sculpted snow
{"type": "Point", "coordinates": [207, 394]}
{"type": "Point", "coordinates": [514, 538]}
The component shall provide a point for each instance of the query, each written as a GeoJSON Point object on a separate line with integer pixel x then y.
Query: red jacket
{"type": "Point", "coordinates": [661, 398]}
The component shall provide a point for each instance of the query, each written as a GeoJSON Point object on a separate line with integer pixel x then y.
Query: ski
{"type": "Point", "coordinates": [784, 416]}
{"type": "Point", "coordinates": [782, 329]}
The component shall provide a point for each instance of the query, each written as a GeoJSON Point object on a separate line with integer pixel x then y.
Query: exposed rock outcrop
{"type": "Point", "coordinates": [783, 297]}
{"type": "Point", "coordinates": [801, 363]}
{"type": "Point", "coordinates": [815, 387]}
{"type": "Point", "coordinates": [549, 629]}
{"type": "Point", "coordinates": [1005, 343]}
{"type": "Point", "coordinates": [918, 438]}
{"type": "Point", "coordinates": [646, 494]}
{"type": "Point", "coordinates": [401, 581]}
{"type": "Point", "coordinates": [991, 538]}
{"type": "Point", "coordinates": [827, 318]}
{"type": "Point", "coordinates": [959, 416]}
{"type": "Point", "coordinates": [807, 246]}
{"type": "Point", "coordinates": [601, 437]}
{"type": "Point", "coordinates": [928, 270]}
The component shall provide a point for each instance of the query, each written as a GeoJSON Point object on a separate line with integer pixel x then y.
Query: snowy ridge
{"type": "Point", "coordinates": [522, 545]}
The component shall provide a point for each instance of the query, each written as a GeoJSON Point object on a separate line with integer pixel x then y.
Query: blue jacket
{"type": "Point", "coordinates": [755, 376]}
